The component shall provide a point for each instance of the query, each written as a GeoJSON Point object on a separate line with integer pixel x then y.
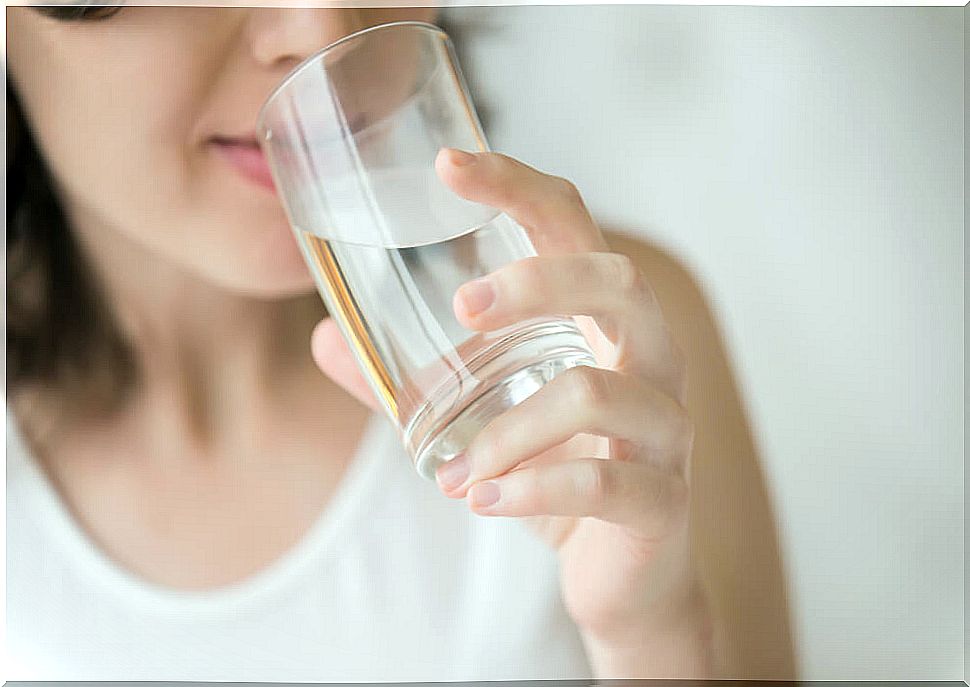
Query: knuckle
{"type": "Point", "coordinates": [594, 482]}
{"type": "Point", "coordinates": [678, 436]}
{"type": "Point", "coordinates": [567, 190]}
{"type": "Point", "coordinates": [489, 442]}
{"type": "Point", "coordinates": [590, 387]}
{"type": "Point", "coordinates": [501, 160]}
{"type": "Point", "coordinates": [498, 172]}
{"type": "Point", "coordinates": [529, 207]}
{"type": "Point", "coordinates": [586, 273]}
{"type": "Point", "coordinates": [626, 276]}
{"type": "Point", "coordinates": [526, 279]}
{"type": "Point", "coordinates": [535, 490]}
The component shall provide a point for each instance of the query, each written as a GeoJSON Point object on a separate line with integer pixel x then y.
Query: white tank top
{"type": "Point", "coordinates": [393, 583]}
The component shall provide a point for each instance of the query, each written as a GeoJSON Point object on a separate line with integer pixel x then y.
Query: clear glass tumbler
{"type": "Point", "coordinates": [351, 135]}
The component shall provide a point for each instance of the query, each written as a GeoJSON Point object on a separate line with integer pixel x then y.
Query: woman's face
{"type": "Point", "coordinates": [125, 110]}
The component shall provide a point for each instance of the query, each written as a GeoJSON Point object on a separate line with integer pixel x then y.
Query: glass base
{"type": "Point", "coordinates": [517, 368]}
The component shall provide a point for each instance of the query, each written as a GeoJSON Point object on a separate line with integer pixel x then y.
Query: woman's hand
{"type": "Point", "coordinates": [597, 460]}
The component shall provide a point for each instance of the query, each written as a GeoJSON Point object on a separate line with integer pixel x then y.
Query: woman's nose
{"type": "Point", "coordinates": [285, 37]}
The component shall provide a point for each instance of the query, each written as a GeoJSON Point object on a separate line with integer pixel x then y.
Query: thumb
{"type": "Point", "coordinates": [335, 359]}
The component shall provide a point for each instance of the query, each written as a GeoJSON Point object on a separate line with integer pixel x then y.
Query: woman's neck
{"type": "Point", "coordinates": [210, 359]}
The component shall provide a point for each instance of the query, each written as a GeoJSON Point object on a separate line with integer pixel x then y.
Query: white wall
{"type": "Point", "coordinates": [807, 163]}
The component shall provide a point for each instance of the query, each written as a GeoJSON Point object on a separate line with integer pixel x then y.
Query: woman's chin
{"type": "Point", "coordinates": [274, 263]}
{"type": "Point", "coordinates": [252, 251]}
{"type": "Point", "coordinates": [266, 280]}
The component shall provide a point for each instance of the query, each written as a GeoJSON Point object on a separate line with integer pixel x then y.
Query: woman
{"type": "Point", "coordinates": [191, 499]}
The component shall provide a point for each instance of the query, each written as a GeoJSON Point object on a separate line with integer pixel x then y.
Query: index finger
{"type": "Point", "coordinates": [548, 207]}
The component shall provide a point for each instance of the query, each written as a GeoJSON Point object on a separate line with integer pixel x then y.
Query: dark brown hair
{"type": "Point", "coordinates": [62, 341]}
{"type": "Point", "coordinates": [59, 333]}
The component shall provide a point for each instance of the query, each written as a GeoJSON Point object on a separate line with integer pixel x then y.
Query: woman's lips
{"type": "Point", "coordinates": [247, 158]}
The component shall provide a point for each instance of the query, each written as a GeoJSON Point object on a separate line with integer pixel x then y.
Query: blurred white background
{"type": "Point", "coordinates": [807, 165]}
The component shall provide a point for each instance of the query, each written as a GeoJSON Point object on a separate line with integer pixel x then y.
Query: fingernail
{"type": "Point", "coordinates": [460, 158]}
{"type": "Point", "coordinates": [453, 473]}
{"type": "Point", "coordinates": [484, 494]}
{"type": "Point", "coordinates": [476, 296]}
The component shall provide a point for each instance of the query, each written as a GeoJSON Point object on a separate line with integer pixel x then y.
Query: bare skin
{"type": "Point", "coordinates": [95, 466]}
{"type": "Point", "coordinates": [236, 441]}
{"type": "Point", "coordinates": [203, 276]}
{"type": "Point", "coordinates": [180, 513]}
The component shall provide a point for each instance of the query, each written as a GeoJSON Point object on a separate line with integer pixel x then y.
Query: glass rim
{"type": "Point", "coordinates": [322, 52]}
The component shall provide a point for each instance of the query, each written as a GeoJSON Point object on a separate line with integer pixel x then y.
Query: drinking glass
{"type": "Point", "coordinates": [350, 136]}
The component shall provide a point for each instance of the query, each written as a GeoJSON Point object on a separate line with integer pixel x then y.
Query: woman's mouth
{"type": "Point", "coordinates": [246, 157]}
